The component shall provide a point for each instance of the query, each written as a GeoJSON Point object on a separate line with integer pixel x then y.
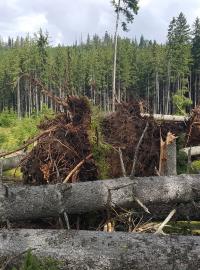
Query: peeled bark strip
{"type": "Point", "coordinates": [80, 250]}
{"type": "Point", "coordinates": [159, 194]}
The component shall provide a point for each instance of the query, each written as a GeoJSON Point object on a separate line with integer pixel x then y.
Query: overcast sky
{"type": "Point", "coordinates": [68, 20]}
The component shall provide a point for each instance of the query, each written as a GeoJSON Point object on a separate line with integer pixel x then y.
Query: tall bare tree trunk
{"type": "Point", "coordinates": [18, 99]}
{"type": "Point", "coordinates": [30, 101]}
{"type": "Point", "coordinates": [157, 93]}
{"type": "Point", "coordinates": [115, 58]}
{"type": "Point", "coordinates": [167, 109]}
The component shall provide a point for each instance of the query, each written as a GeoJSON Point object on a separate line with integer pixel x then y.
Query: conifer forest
{"type": "Point", "coordinates": [165, 76]}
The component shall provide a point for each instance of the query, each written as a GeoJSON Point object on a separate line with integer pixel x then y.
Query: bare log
{"type": "Point", "coordinates": [80, 250]}
{"type": "Point", "coordinates": [159, 194]}
{"type": "Point", "coordinates": [170, 118]}
{"type": "Point", "coordinates": [12, 161]}
{"type": "Point", "coordinates": [195, 150]}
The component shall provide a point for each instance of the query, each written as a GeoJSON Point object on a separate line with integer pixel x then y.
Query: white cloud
{"type": "Point", "coordinates": [67, 20]}
{"type": "Point", "coordinates": [144, 3]}
{"type": "Point", "coordinates": [30, 23]}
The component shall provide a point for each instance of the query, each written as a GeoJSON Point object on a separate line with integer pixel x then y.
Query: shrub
{"type": "Point", "coordinates": [7, 118]}
{"type": "Point", "coordinates": [100, 149]}
{"type": "Point", "coordinates": [195, 167]}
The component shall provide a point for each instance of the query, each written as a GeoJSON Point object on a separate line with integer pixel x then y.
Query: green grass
{"type": "Point", "coordinates": [14, 132]}
{"type": "Point", "coordinates": [32, 262]}
{"type": "Point", "coordinates": [183, 228]}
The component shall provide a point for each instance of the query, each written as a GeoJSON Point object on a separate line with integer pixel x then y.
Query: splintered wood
{"type": "Point", "coordinates": [167, 164]}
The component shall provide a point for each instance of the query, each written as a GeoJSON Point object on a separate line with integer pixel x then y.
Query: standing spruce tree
{"type": "Point", "coordinates": [179, 55]}
{"type": "Point", "coordinates": [196, 61]}
{"type": "Point", "coordinates": [128, 8]}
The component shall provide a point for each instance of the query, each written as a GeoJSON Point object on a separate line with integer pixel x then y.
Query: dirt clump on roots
{"type": "Point", "coordinates": [63, 145]}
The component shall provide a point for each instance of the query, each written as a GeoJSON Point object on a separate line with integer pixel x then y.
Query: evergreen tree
{"type": "Point", "coordinates": [196, 61]}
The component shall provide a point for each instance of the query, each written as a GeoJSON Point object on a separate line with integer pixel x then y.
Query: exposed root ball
{"type": "Point", "coordinates": [59, 151]}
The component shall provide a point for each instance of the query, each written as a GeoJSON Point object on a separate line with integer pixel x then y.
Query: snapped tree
{"type": "Point", "coordinates": [128, 8]}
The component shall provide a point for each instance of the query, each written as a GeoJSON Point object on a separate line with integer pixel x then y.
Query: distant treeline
{"type": "Point", "coordinates": [165, 76]}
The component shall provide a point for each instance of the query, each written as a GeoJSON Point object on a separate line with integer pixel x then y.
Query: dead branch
{"type": "Point", "coordinates": [76, 168]}
{"type": "Point", "coordinates": [122, 162]}
{"type": "Point", "coordinates": [137, 150]}
{"type": "Point", "coordinates": [164, 223]}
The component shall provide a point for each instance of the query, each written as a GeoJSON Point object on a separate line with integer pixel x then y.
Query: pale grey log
{"type": "Point", "coordinates": [11, 162]}
{"type": "Point", "coordinates": [195, 150]}
{"type": "Point", "coordinates": [170, 118]}
{"type": "Point", "coordinates": [159, 194]}
{"type": "Point", "coordinates": [82, 250]}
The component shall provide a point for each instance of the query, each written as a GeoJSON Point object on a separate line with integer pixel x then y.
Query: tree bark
{"type": "Point", "coordinates": [159, 194]}
{"type": "Point", "coordinates": [100, 250]}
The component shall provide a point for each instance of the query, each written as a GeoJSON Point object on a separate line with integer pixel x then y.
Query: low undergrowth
{"type": "Point", "coordinates": [14, 132]}
{"type": "Point", "coordinates": [30, 262]}
{"type": "Point", "coordinates": [100, 149]}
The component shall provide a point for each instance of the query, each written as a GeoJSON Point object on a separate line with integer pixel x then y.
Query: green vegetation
{"type": "Point", "coordinates": [14, 132]}
{"type": "Point", "coordinates": [182, 159]}
{"type": "Point", "coordinates": [31, 262]}
{"type": "Point", "coordinates": [181, 102]}
{"type": "Point", "coordinates": [145, 70]}
{"type": "Point", "coordinates": [183, 227]}
{"type": "Point", "coordinates": [195, 167]}
{"type": "Point", "coordinates": [100, 149]}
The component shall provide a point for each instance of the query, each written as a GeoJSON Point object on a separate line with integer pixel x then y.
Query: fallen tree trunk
{"type": "Point", "coordinates": [159, 194]}
{"type": "Point", "coordinates": [165, 117]}
{"type": "Point", "coordinates": [195, 150]}
{"type": "Point", "coordinates": [99, 250]}
{"type": "Point", "coordinates": [12, 161]}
